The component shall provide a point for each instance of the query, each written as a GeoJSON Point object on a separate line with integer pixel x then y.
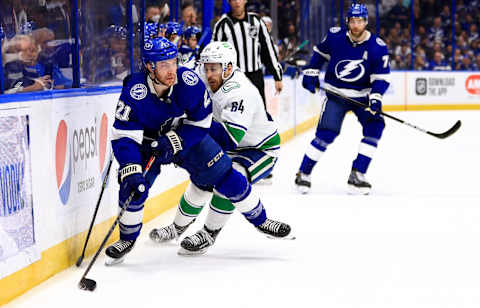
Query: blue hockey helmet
{"type": "Point", "coordinates": [158, 49]}
{"type": "Point", "coordinates": [173, 28]}
{"type": "Point", "coordinates": [357, 10]}
{"type": "Point", "coordinates": [191, 31]}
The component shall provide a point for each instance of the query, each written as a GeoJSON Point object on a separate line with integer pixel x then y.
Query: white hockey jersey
{"type": "Point", "coordinates": [238, 106]}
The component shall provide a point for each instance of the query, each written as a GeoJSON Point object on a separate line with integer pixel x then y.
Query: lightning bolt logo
{"type": "Point", "coordinates": [348, 68]}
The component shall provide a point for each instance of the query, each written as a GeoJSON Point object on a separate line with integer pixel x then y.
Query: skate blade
{"type": "Point", "coordinates": [268, 181]}
{"type": "Point", "coordinates": [183, 252]}
{"type": "Point", "coordinates": [353, 190]}
{"type": "Point", "coordinates": [109, 261]}
{"type": "Point", "coordinates": [285, 238]}
{"type": "Point", "coordinates": [302, 189]}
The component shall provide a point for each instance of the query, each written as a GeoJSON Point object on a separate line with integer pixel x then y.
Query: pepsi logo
{"type": "Point", "coordinates": [80, 154]}
{"type": "Point", "coordinates": [63, 162]}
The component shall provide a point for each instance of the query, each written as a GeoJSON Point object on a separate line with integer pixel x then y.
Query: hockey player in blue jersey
{"type": "Point", "coordinates": [166, 111]}
{"type": "Point", "coordinates": [188, 51]}
{"type": "Point", "coordinates": [358, 67]}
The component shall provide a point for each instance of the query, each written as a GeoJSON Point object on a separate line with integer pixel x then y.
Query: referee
{"type": "Point", "coordinates": [249, 35]}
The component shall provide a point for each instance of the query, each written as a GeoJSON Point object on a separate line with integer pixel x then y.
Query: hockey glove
{"type": "Point", "coordinates": [132, 180]}
{"type": "Point", "coordinates": [374, 104]}
{"type": "Point", "coordinates": [310, 79]}
{"type": "Point", "coordinates": [166, 146]}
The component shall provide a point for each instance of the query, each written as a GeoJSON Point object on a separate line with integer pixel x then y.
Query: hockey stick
{"type": "Point", "coordinates": [90, 284]}
{"type": "Point", "coordinates": [105, 180]}
{"type": "Point", "coordinates": [296, 50]}
{"type": "Point", "coordinates": [443, 135]}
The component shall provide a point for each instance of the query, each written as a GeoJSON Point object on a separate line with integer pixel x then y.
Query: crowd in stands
{"type": "Point", "coordinates": [37, 41]}
{"type": "Point", "coordinates": [433, 34]}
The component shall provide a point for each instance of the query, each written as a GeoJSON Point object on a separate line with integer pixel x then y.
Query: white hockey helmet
{"type": "Point", "coordinates": [219, 52]}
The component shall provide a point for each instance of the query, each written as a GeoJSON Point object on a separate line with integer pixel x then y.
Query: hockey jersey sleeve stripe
{"type": "Point", "coordinates": [348, 92]}
{"type": "Point", "coordinates": [272, 143]}
{"type": "Point", "coordinates": [235, 133]}
{"type": "Point", "coordinates": [205, 123]}
{"type": "Point", "coordinates": [326, 56]}
{"type": "Point", "coordinates": [385, 77]}
{"type": "Point", "coordinates": [136, 135]}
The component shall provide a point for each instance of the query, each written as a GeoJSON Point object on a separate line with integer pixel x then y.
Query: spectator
{"type": "Point", "coordinates": [436, 33]}
{"type": "Point", "coordinates": [117, 48]}
{"type": "Point", "coordinates": [473, 33]}
{"type": "Point", "coordinates": [189, 14]}
{"type": "Point", "coordinates": [402, 55]}
{"type": "Point", "coordinates": [419, 64]}
{"type": "Point", "coordinates": [465, 64]}
{"type": "Point", "coordinates": [438, 63]}
{"type": "Point", "coordinates": [118, 13]}
{"type": "Point", "coordinates": [399, 13]}
{"type": "Point", "coordinates": [476, 64]}
{"type": "Point", "coordinates": [291, 41]}
{"type": "Point", "coordinates": [28, 74]}
{"type": "Point", "coordinates": [153, 14]}
{"type": "Point", "coordinates": [446, 16]}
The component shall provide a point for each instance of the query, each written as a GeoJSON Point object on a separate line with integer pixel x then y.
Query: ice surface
{"type": "Point", "coordinates": [414, 242]}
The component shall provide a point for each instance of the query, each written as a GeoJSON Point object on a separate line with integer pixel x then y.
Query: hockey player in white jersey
{"type": "Point", "coordinates": [358, 67]}
{"type": "Point", "coordinates": [243, 130]}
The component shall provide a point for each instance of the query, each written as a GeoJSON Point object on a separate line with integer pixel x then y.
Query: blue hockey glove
{"type": "Point", "coordinates": [166, 146]}
{"type": "Point", "coordinates": [132, 180]}
{"type": "Point", "coordinates": [374, 103]}
{"type": "Point", "coordinates": [310, 79]}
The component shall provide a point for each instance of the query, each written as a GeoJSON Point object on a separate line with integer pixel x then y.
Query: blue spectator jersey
{"type": "Point", "coordinates": [19, 74]}
{"type": "Point", "coordinates": [354, 69]}
{"type": "Point", "coordinates": [142, 116]}
{"type": "Point", "coordinates": [442, 66]}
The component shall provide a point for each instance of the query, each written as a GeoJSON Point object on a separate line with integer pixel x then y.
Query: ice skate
{"type": "Point", "coordinates": [199, 242]}
{"type": "Point", "coordinates": [275, 230]}
{"type": "Point", "coordinates": [303, 182]}
{"type": "Point", "coordinates": [357, 183]}
{"type": "Point", "coordinates": [168, 233]}
{"type": "Point", "coordinates": [116, 252]}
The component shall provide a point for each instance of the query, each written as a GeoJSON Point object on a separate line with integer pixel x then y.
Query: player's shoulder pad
{"type": "Point", "coordinates": [378, 45]}
{"type": "Point", "coordinates": [334, 30]}
{"type": "Point", "coordinates": [187, 77]}
{"type": "Point", "coordinates": [380, 42]}
{"type": "Point", "coordinates": [135, 87]}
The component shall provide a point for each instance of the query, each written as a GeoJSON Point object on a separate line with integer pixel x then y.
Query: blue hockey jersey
{"type": "Point", "coordinates": [355, 69]}
{"type": "Point", "coordinates": [141, 116]}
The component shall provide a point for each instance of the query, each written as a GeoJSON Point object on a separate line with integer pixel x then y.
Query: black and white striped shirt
{"type": "Point", "coordinates": [252, 42]}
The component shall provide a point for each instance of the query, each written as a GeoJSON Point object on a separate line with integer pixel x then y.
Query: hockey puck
{"type": "Point", "coordinates": [87, 284]}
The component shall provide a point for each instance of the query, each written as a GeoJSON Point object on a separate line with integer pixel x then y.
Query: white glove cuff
{"type": "Point", "coordinates": [175, 141]}
{"type": "Point", "coordinates": [129, 170]}
{"type": "Point", "coordinates": [311, 72]}
{"type": "Point", "coordinates": [376, 96]}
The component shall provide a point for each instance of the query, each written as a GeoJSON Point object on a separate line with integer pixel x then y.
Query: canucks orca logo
{"type": "Point", "coordinates": [349, 70]}
{"type": "Point", "coordinates": [63, 162]}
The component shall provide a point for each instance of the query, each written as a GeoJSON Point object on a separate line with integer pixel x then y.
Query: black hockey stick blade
{"type": "Point", "coordinates": [449, 132]}
{"type": "Point", "coordinates": [87, 284]}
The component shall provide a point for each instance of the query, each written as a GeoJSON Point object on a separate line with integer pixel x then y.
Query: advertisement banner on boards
{"type": "Point", "coordinates": [82, 132]}
{"type": "Point", "coordinates": [434, 88]}
{"type": "Point", "coordinates": [18, 245]}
